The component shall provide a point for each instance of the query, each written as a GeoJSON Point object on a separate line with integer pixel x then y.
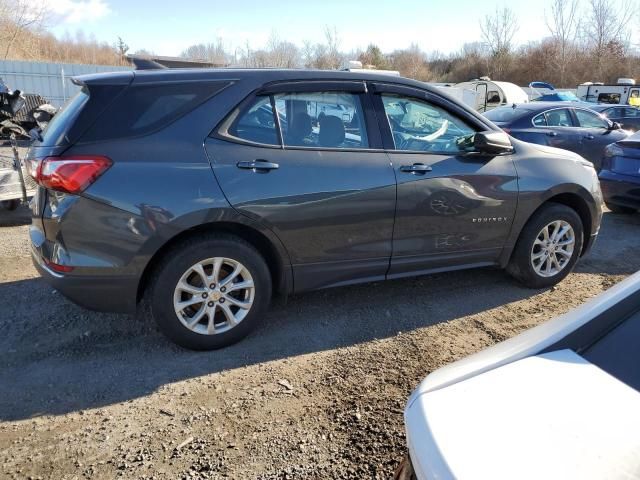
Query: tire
{"type": "Point", "coordinates": [619, 209]}
{"type": "Point", "coordinates": [177, 266]}
{"type": "Point", "coordinates": [531, 244]}
{"type": "Point", "coordinates": [10, 205]}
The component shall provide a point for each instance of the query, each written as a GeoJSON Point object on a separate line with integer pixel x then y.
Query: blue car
{"type": "Point", "coordinates": [620, 175]}
{"type": "Point", "coordinates": [567, 125]}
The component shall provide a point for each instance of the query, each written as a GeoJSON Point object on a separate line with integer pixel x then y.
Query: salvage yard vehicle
{"type": "Point", "coordinates": [561, 400]}
{"type": "Point", "coordinates": [561, 125]}
{"type": "Point", "coordinates": [624, 92]}
{"type": "Point", "coordinates": [620, 175]}
{"type": "Point", "coordinates": [493, 94]}
{"type": "Point", "coordinates": [179, 190]}
{"type": "Point", "coordinates": [627, 116]}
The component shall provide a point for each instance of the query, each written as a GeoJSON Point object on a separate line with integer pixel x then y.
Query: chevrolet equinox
{"type": "Point", "coordinates": [206, 192]}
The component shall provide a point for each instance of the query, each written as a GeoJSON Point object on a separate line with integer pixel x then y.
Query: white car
{"type": "Point", "coordinates": [559, 401]}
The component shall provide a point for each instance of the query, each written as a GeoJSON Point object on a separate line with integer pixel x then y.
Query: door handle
{"type": "Point", "coordinates": [552, 134]}
{"type": "Point", "coordinates": [416, 168]}
{"type": "Point", "coordinates": [589, 137]}
{"type": "Point", "coordinates": [256, 165]}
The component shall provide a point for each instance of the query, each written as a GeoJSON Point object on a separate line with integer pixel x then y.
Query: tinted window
{"type": "Point", "coordinates": [322, 119]}
{"type": "Point", "coordinates": [419, 126]}
{"type": "Point", "coordinates": [540, 120]}
{"type": "Point", "coordinates": [609, 98]}
{"type": "Point", "coordinates": [611, 112]}
{"type": "Point", "coordinates": [256, 123]}
{"type": "Point", "coordinates": [631, 112]}
{"type": "Point", "coordinates": [144, 109]}
{"type": "Point", "coordinates": [56, 130]}
{"type": "Point", "coordinates": [558, 118]}
{"type": "Point", "coordinates": [590, 119]}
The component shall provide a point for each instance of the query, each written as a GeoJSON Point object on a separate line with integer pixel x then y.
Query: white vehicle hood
{"type": "Point", "coordinates": [551, 416]}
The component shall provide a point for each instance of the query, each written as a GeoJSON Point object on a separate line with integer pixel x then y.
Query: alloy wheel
{"type": "Point", "coordinates": [553, 248]}
{"type": "Point", "coordinates": [214, 295]}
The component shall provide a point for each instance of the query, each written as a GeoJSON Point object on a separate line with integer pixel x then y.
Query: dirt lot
{"type": "Point", "coordinates": [317, 392]}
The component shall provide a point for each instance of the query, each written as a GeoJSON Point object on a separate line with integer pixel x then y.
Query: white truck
{"type": "Point", "coordinates": [624, 92]}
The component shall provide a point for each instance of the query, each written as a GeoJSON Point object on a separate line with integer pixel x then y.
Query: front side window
{"type": "Point", "coordinates": [420, 126]}
{"type": "Point", "coordinates": [631, 112]}
{"type": "Point", "coordinates": [590, 119]}
{"type": "Point", "coordinates": [558, 118]}
{"type": "Point", "coordinates": [321, 120]}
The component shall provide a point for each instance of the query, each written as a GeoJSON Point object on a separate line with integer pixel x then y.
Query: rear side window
{"type": "Point", "coordinates": [144, 109]}
{"type": "Point", "coordinates": [305, 119]}
{"type": "Point", "coordinates": [558, 118]}
{"type": "Point", "coordinates": [56, 131]}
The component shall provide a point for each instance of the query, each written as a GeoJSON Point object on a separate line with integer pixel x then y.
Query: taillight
{"type": "Point", "coordinates": [69, 174]}
{"type": "Point", "coordinates": [56, 267]}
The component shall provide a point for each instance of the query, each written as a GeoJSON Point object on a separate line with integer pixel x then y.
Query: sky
{"type": "Point", "coordinates": [167, 28]}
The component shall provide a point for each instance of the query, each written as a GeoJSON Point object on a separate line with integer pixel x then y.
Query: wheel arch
{"type": "Point", "coordinates": [275, 255]}
{"type": "Point", "coordinates": [573, 198]}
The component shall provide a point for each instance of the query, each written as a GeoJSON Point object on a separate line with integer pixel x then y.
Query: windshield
{"type": "Point", "coordinates": [56, 131]}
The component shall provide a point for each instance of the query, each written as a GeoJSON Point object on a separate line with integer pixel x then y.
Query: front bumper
{"type": "Point", "coordinates": [103, 293]}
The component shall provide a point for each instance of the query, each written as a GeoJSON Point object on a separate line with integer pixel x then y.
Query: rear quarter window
{"type": "Point", "coordinates": [145, 109]}
{"type": "Point", "coordinates": [55, 133]}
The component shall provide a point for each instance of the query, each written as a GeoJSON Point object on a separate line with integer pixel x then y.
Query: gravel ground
{"type": "Point", "coordinates": [316, 392]}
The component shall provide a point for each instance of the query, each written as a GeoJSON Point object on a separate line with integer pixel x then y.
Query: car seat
{"type": "Point", "coordinates": [332, 132]}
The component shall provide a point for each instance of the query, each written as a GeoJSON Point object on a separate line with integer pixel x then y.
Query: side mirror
{"type": "Point", "coordinates": [492, 143]}
{"type": "Point", "coordinates": [615, 126]}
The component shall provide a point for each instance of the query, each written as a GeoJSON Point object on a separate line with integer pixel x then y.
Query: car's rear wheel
{"type": "Point", "coordinates": [619, 208]}
{"type": "Point", "coordinates": [210, 292]}
{"type": "Point", "coordinates": [548, 247]}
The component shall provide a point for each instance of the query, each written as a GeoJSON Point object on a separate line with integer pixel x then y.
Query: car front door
{"type": "Point", "coordinates": [594, 134]}
{"type": "Point", "coordinates": [322, 184]}
{"type": "Point", "coordinates": [454, 208]}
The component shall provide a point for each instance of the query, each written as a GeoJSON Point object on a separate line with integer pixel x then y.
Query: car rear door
{"type": "Point", "coordinates": [453, 209]}
{"type": "Point", "coordinates": [321, 182]}
{"type": "Point", "coordinates": [555, 128]}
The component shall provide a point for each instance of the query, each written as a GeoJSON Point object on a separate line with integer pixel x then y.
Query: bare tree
{"type": "Point", "coordinates": [411, 62]}
{"type": "Point", "coordinates": [18, 17]}
{"type": "Point", "coordinates": [498, 31]}
{"type": "Point", "coordinates": [607, 29]}
{"type": "Point", "coordinates": [281, 53]}
{"type": "Point", "coordinates": [563, 26]}
{"type": "Point", "coordinates": [211, 52]}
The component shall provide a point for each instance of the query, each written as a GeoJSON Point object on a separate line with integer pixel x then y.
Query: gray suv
{"type": "Point", "coordinates": [206, 192]}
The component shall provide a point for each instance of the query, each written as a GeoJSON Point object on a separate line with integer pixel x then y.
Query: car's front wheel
{"type": "Point", "coordinates": [210, 292]}
{"type": "Point", "coordinates": [548, 247]}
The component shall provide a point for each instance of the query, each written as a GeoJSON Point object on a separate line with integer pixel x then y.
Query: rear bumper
{"type": "Point", "coordinates": [622, 190]}
{"type": "Point", "coordinates": [103, 293]}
